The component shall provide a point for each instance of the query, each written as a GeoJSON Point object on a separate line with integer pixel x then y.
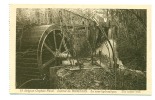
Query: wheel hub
{"type": "Point", "coordinates": [59, 54]}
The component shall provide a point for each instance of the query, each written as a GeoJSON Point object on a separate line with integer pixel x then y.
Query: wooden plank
{"type": "Point", "coordinates": [26, 65]}
{"type": "Point", "coordinates": [27, 72]}
{"type": "Point", "coordinates": [53, 82]}
{"type": "Point", "coordinates": [27, 60]}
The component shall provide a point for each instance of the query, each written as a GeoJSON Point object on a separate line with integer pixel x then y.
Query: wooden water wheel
{"type": "Point", "coordinates": [41, 47]}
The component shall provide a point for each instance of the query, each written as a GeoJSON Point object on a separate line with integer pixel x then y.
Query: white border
{"type": "Point", "coordinates": [4, 51]}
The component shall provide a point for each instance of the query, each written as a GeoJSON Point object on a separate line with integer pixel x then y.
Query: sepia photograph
{"type": "Point", "coordinates": [80, 48]}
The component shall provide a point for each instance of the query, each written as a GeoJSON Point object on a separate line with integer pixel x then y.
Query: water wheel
{"type": "Point", "coordinates": [41, 47]}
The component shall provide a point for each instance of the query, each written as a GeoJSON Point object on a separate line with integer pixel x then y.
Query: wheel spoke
{"type": "Point", "coordinates": [66, 49]}
{"type": "Point", "coordinates": [49, 49]}
{"type": "Point", "coordinates": [61, 44]}
{"type": "Point", "coordinates": [54, 40]}
{"type": "Point", "coordinates": [48, 62]}
{"type": "Point", "coordinates": [60, 34]}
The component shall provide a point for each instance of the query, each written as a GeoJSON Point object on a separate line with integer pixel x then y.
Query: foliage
{"type": "Point", "coordinates": [131, 36]}
{"type": "Point", "coordinates": [126, 79]}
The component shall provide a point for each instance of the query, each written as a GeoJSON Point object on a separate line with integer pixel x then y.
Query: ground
{"type": "Point", "coordinates": [99, 77]}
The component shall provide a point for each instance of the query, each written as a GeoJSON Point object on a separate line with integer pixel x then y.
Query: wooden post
{"type": "Point", "coordinates": [53, 83]}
